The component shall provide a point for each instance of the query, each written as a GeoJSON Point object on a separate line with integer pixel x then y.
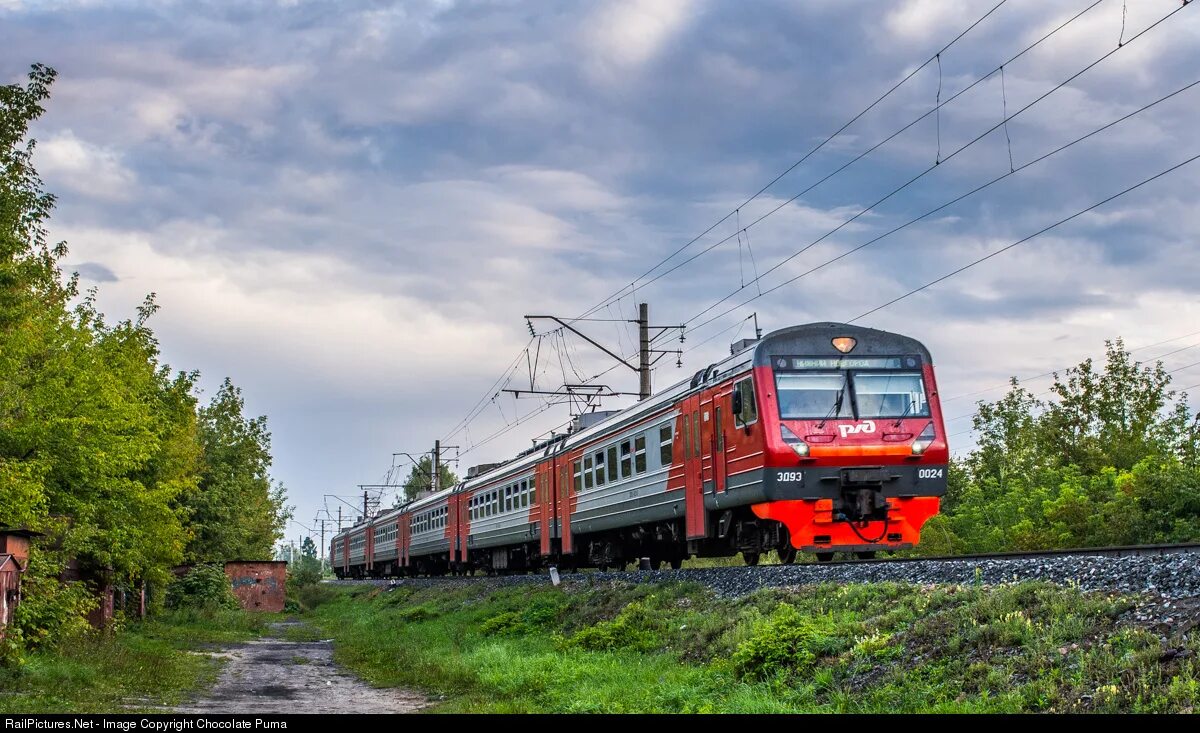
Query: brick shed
{"type": "Point", "coordinates": [14, 556]}
{"type": "Point", "coordinates": [260, 585]}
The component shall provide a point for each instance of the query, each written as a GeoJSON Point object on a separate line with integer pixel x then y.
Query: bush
{"type": "Point", "coordinates": [312, 596]}
{"type": "Point", "coordinates": [786, 640]}
{"type": "Point", "coordinates": [416, 613]}
{"type": "Point", "coordinates": [205, 586]}
{"type": "Point", "coordinates": [305, 572]}
{"type": "Point", "coordinates": [635, 628]}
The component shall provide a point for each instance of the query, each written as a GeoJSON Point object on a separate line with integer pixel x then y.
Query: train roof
{"type": "Point", "coordinates": [816, 339]}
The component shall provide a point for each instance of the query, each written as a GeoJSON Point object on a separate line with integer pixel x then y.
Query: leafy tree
{"type": "Point", "coordinates": [236, 511]}
{"type": "Point", "coordinates": [308, 548]}
{"type": "Point", "coordinates": [1108, 458]}
{"type": "Point", "coordinates": [102, 446]}
{"type": "Point", "coordinates": [420, 478]}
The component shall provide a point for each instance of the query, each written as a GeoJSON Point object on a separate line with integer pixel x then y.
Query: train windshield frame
{"type": "Point", "coordinates": [826, 393]}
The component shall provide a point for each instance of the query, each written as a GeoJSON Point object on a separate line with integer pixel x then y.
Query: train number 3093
{"type": "Point", "coordinates": [790, 476]}
{"type": "Point", "coordinates": [930, 473]}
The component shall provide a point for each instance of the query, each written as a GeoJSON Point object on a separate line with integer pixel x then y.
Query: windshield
{"type": "Point", "coordinates": [812, 395]}
{"type": "Point", "coordinates": [890, 394]}
{"type": "Point", "coordinates": [815, 395]}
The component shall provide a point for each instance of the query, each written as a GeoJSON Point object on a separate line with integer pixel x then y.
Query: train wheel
{"type": "Point", "coordinates": [824, 557]}
{"type": "Point", "coordinates": [865, 555]}
{"type": "Point", "coordinates": [676, 563]}
{"type": "Point", "coordinates": [787, 555]}
{"type": "Point", "coordinates": [750, 558]}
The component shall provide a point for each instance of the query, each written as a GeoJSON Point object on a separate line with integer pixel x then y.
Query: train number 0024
{"type": "Point", "coordinates": [788, 476]}
{"type": "Point", "coordinates": [930, 473]}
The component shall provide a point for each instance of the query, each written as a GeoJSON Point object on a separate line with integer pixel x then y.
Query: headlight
{"type": "Point", "coordinates": [923, 440]}
{"type": "Point", "coordinates": [793, 441]}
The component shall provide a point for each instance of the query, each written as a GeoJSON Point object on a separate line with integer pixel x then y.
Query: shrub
{"type": "Point", "coordinates": [785, 640]}
{"type": "Point", "coordinates": [635, 628]}
{"type": "Point", "coordinates": [205, 586]}
{"type": "Point", "coordinates": [503, 623]}
{"type": "Point", "coordinates": [416, 613]}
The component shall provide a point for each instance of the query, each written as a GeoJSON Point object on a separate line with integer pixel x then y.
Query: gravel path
{"type": "Point", "coordinates": [273, 675]}
{"type": "Point", "coordinates": [1167, 576]}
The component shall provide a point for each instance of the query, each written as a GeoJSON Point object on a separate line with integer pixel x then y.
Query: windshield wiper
{"type": "Point", "coordinates": [837, 406]}
{"type": "Point", "coordinates": [911, 404]}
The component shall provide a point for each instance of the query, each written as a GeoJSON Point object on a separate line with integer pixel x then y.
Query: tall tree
{"type": "Point", "coordinates": [236, 511]}
{"type": "Point", "coordinates": [420, 478]}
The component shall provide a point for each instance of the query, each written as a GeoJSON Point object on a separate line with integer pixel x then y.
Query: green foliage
{"type": "Point", "coordinates": [205, 587]}
{"type": "Point", "coordinates": [236, 511]}
{"type": "Point", "coordinates": [420, 478]}
{"type": "Point", "coordinates": [304, 572]}
{"type": "Point", "coordinates": [144, 668]}
{"type": "Point", "coordinates": [784, 641]}
{"type": "Point", "coordinates": [50, 611]}
{"type": "Point", "coordinates": [102, 445]}
{"type": "Point", "coordinates": [416, 614]}
{"type": "Point", "coordinates": [1110, 459]}
{"type": "Point", "coordinates": [635, 628]}
{"type": "Point", "coordinates": [881, 647]}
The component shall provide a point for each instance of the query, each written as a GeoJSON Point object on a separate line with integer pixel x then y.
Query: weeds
{"type": "Point", "coordinates": [617, 647]}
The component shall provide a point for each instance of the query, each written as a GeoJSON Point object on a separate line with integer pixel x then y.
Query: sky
{"type": "Point", "coordinates": [349, 207]}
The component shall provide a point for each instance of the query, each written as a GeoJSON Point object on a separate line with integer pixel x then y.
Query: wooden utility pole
{"type": "Point", "coordinates": [645, 361]}
{"type": "Point", "coordinates": [644, 351]}
{"type": "Point", "coordinates": [436, 468]}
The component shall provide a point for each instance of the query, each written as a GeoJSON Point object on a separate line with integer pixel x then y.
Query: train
{"type": "Point", "coordinates": [817, 438]}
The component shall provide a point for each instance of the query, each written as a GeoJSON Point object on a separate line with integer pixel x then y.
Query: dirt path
{"type": "Point", "coordinates": [274, 675]}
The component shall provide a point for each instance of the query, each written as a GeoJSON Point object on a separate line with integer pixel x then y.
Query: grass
{"type": "Point", "coordinates": [617, 647]}
{"type": "Point", "coordinates": [145, 666]}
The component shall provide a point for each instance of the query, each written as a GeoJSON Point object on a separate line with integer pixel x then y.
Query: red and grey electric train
{"type": "Point", "coordinates": [818, 438]}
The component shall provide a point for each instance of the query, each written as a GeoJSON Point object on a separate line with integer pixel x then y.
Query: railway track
{"type": "Point", "coordinates": [1185, 548]}
{"type": "Point", "coordinates": [1169, 570]}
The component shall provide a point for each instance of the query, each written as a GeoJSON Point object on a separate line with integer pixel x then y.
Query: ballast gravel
{"type": "Point", "coordinates": [1165, 576]}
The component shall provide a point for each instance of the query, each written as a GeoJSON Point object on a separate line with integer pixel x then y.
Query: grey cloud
{"type": "Point", "coordinates": [95, 272]}
{"type": "Point", "coordinates": [400, 183]}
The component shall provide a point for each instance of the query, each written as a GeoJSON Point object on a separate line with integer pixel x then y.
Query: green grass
{"type": "Point", "coordinates": [677, 648]}
{"type": "Point", "coordinates": [146, 665]}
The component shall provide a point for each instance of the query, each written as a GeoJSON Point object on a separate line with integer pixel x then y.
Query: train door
{"type": "Point", "coordinates": [547, 506]}
{"type": "Point", "coordinates": [693, 478]}
{"type": "Point", "coordinates": [562, 495]}
{"type": "Point", "coordinates": [720, 467]}
{"type": "Point", "coordinates": [453, 524]}
{"type": "Point", "coordinates": [402, 540]}
{"type": "Point", "coordinates": [561, 486]}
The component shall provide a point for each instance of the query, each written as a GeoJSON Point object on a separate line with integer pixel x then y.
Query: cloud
{"type": "Point", "coordinates": [95, 272]}
{"type": "Point", "coordinates": [630, 33]}
{"type": "Point", "coordinates": [348, 209]}
{"type": "Point", "coordinates": [91, 170]}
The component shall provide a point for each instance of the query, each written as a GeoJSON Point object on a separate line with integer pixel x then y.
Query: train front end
{"type": "Point", "coordinates": [855, 449]}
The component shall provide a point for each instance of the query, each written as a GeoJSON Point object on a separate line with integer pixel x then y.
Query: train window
{"type": "Point", "coordinates": [749, 413]}
{"type": "Point", "coordinates": [889, 394]}
{"type": "Point", "coordinates": [578, 477]}
{"type": "Point", "coordinates": [696, 434]}
{"type": "Point", "coordinates": [626, 459]}
{"type": "Point", "coordinates": [600, 468]}
{"type": "Point", "coordinates": [687, 437]}
{"type": "Point", "coordinates": [719, 428]}
{"type": "Point", "coordinates": [813, 395]}
{"type": "Point", "coordinates": [496, 502]}
{"type": "Point", "coordinates": [665, 440]}
{"type": "Point", "coordinates": [612, 465]}
{"type": "Point", "coordinates": [587, 472]}
{"type": "Point", "coordinates": [639, 454]}
{"type": "Point", "coordinates": [508, 498]}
